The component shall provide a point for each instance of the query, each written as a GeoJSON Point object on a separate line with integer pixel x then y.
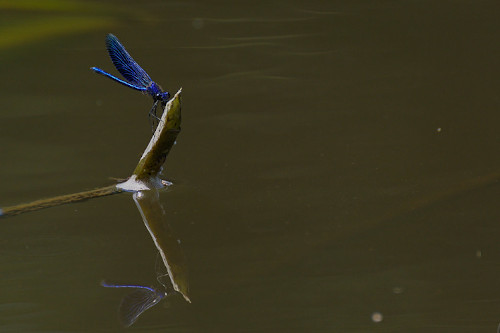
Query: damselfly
{"type": "Point", "coordinates": [135, 77]}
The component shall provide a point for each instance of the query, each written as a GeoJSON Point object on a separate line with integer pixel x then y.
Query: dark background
{"type": "Point", "coordinates": [337, 159]}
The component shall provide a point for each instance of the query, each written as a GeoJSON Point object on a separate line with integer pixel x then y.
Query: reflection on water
{"type": "Point", "coordinates": [136, 302]}
{"type": "Point", "coordinates": [336, 171]}
{"type": "Point", "coordinates": [142, 297]}
{"type": "Point", "coordinates": [156, 222]}
{"type": "Point", "coordinates": [170, 264]}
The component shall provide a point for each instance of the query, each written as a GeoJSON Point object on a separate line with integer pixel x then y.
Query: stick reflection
{"type": "Point", "coordinates": [170, 264]}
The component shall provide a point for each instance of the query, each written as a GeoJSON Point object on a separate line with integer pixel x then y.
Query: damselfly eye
{"type": "Point", "coordinates": [165, 96]}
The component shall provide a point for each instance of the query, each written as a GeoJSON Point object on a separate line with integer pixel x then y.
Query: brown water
{"type": "Point", "coordinates": [338, 165]}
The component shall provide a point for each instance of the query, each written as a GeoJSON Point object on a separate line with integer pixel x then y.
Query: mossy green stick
{"type": "Point", "coordinates": [146, 173]}
{"type": "Point", "coordinates": [59, 200]}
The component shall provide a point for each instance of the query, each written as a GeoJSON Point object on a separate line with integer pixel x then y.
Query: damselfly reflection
{"type": "Point", "coordinates": [141, 298]}
{"type": "Point", "coordinates": [135, 303]}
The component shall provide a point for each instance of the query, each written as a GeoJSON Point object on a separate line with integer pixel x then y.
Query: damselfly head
{"type": "Point", "coordinates": [164, 96]}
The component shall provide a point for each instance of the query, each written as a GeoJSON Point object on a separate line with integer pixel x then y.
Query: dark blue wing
{"type": "Point", "coordinates": [135, 303]}
{"type": "Point", "coordinates": [124, 63]}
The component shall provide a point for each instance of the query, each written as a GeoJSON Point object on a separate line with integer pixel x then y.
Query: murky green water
{"type": "Point", "coordinates": [337, 169]}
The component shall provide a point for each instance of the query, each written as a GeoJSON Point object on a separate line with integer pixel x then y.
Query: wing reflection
{"type": "Point", "coordinates": [171, 269]}
{"type": "Point", "coordinates": [136, 302]}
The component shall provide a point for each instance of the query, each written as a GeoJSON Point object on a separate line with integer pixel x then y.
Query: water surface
{"type": "Point", "coordinates": [338, 165]}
